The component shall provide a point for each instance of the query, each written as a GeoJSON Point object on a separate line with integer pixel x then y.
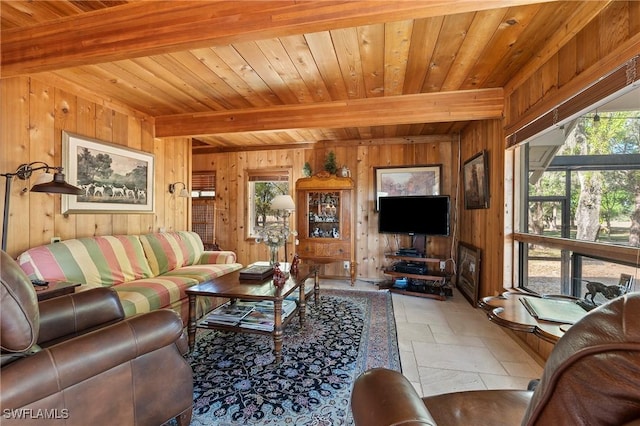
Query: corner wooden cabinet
{"type": "Point", "coordinates": [325, 220]}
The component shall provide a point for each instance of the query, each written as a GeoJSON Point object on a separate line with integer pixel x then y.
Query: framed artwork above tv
{"type": "Point", "coordinates": [406, 181]}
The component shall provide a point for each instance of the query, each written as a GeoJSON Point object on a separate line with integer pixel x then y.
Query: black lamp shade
{"type": "Point", "coordinates": [57, 186]}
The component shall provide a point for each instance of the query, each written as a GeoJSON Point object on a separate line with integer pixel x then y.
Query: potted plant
{"type": "Point", "coordinates": [330, 164]}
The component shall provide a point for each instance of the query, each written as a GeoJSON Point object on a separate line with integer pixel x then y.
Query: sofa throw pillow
{"type": "Point", "coordinates": [167, 251]}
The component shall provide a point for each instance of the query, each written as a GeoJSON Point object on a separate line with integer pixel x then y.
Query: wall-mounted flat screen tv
{"type": "Point", "coordinates": [415, 215]}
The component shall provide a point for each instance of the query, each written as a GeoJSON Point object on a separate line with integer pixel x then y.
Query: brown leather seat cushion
{"type": "Point", "coordinates": [495, 407]}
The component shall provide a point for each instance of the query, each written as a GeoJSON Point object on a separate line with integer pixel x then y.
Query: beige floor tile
{"type": "Point", "coordinates": [440, 329]}
{"type": "Point", "coordinates": [522, 369]}
{"type": "Point", "coordinates": [452, 339]}
{"type": "Point", "coordinates": [504, 382]}
{"type": "Point", "coordinates": [418, 387]}
{"type": "Point", "coordinates": [505, 348]}
{"type": "Point", "coordinates": [409, 366]}
{"type": "Point", "coordinates": [435, 381]}
{"type": "Point", "coordinates": [457, 357]}
{"type": "Point", "coordinates": [471, 324]}
{"type": "Point", "coordinates": [414, 332]}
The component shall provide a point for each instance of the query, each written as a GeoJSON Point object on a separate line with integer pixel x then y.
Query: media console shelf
{"type": "Point", "coordinates": [425, 275]}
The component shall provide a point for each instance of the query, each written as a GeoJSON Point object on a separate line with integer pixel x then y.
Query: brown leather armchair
{"type": "Point", "coordinates": [592, 377]}
{"type": "Point", "coordinates": [75, 359]}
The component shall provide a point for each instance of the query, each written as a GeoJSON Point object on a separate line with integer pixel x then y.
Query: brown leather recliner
{"type": "Point", "coordinates": [75, 359]}
{"type": "Point", "coordinates": [592, 377]}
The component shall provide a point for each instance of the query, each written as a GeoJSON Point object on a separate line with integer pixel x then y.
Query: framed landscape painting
{"type": "Point", "coordinates": [405, 181]}
{"type": "Point", "coordinates": [114, 179]}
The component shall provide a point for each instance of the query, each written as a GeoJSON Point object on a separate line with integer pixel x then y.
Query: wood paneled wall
{"type": "Point", "coordinates": [483, 228]}
{"type": "Point", "coordinates": [606, 43]}
{"type": "Point", "coordinates": [361, 159]}
{"type": "Point", "coordinates": [33, 115]}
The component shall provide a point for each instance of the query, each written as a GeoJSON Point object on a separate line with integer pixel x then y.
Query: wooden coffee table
{"type": "Point", "coordinates": [230, 286]}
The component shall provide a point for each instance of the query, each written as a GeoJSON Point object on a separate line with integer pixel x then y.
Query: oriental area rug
{"type": "Point", "coordinates": [236, 381]}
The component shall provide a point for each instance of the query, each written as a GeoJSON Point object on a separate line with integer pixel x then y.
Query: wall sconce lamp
{"type": "Point", "coordinates": [183, 192]}
{"type": "Point", "coordinates": [47, 182]}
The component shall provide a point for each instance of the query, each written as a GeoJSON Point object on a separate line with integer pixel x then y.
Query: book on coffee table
{"type": "Point", "coordinates": [256, 272]}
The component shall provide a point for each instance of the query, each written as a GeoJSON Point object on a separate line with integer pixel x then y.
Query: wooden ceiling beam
{"type": "Point", "coordinates": [150, 28]}
{"type": "Point", "coordinates": [204, 148]}
{"type": "Point", "coordinates": [481, 104]}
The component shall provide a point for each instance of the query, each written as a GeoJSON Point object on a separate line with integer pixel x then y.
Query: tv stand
{"type": "Point", "coordinates": [433, 281]}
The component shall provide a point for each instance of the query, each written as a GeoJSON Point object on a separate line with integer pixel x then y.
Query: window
{"type": "Point", "coordinates": [262, 187]}
{"type": "Point", "coordinates": [580, 208]}
{"type": "Point", "coordinates": [203, 208]}
{"type": "Point", "coordinates": [203, 185]}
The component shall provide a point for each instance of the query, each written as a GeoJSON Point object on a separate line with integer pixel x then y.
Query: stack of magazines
{"type": "Point", "coordinates": [228, 314]}
{"type": "Point", "coordinates": [261, 317]}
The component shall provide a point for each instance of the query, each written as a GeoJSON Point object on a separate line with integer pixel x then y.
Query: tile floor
{"type": "Point", "coordinates": [448, 346]}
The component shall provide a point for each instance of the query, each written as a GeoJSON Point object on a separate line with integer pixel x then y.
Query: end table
{"type": "Point", "coordinates": [55, 289]}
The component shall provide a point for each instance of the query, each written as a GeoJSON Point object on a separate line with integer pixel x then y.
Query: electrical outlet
{"type": "Point", "coordinates": [345, 264]}
{"type": "Point", "coordinates": [443, 265]}
{"type": "Point", "coordinates": [55, 240]}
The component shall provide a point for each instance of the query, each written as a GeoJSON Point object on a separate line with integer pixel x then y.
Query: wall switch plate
{"type": "Point", "coordinates": [443, 265]}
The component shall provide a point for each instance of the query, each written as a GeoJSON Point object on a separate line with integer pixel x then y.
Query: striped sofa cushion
{"type": "Point", "coordinates": [153, 293]}
{"type": "Point", "coordinates": [167, 251]}
{"type": "Point", "coordinates": [94, 261]}
{"type": "Point", "coordinates": [203, 273]}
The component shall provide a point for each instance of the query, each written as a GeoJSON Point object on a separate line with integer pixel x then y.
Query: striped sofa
{"type": "Point", "coordinates": [148, 272]}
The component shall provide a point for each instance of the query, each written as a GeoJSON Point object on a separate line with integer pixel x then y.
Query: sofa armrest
{"type": "Point", "coordinates": [74, 314]}
{"type": "Point", "coordinates": [383, 397]}
{"type": "Point", "coordinates": [71, 362]}
{"type": "Point", "coordinates": [212, 257]}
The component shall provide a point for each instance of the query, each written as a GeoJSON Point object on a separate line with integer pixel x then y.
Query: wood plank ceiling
{"type": "Point", "coordinates": [239, 75]}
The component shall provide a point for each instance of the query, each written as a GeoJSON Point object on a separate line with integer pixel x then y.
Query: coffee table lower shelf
{"type": "Point", "coordinates": [239, 329]}
{"type": "Point", "coordinates": [231, 287]}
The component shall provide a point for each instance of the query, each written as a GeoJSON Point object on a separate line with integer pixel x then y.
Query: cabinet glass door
{"type": "Point", "coordinates": [324, 214]}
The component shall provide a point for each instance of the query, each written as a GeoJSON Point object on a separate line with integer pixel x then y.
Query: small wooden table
{"type": "Point", "coordinates": [230, 286]}
{"type": "Point", "coordinates": [55, 289]}
{"type": "Point", "coordinates": [508, 311]}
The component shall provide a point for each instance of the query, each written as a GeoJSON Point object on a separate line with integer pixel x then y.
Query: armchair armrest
{"type": "Point", "coordinates": [212, 257]}
{"type": "Point", "coordinates": [383, 397]}
{"type": "Point", "coordinates": [74, 314]}
{"type": "Point", "coordinates": [74, 361]}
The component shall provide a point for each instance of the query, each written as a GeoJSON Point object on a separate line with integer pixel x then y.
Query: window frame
{"type": "Point", "coordinates": [252, 176]}
{"type": "Point", "coordinates": [607, 88]}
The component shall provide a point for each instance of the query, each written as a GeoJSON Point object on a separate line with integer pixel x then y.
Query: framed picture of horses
{"type": "Point", "coordinates": [114, 179]}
